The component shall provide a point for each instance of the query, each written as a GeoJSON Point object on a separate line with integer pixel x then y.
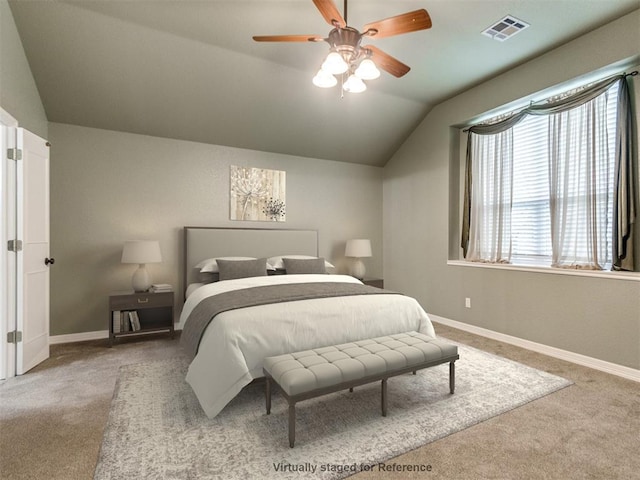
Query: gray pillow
{"type": "Point", "coordinates": [295, 266]}
{"type": "Point", "coordinates": [208, 277]}
{"type": "Point", "coordinates": [230, 269]}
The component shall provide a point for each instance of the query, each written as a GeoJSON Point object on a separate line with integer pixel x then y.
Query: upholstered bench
{"type": "Point", "coordinates": [312, 373]}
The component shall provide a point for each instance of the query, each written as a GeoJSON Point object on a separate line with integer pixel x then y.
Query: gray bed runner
{"type": "Point", "coordinates": [209, 307]}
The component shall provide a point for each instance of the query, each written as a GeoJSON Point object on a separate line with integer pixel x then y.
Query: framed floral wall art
{"type": "Point", "coordinates": [257, 194]}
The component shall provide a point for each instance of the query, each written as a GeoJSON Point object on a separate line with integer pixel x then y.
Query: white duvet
{"type": "Point", "coordinates": [235, 343]}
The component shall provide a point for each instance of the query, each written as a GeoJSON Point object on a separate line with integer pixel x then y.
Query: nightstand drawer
{"type": "Point", "coordinates": [132, 301]}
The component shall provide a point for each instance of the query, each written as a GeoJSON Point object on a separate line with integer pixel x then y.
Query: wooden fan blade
{"type": "Point", "coordinates": [330, 13]}
{"type": "Point", "coordinates": [288, 38]}
{"type": "Point", "coordinates": [387, 63]}
{"type": "Point", "coordinates": [405, 23]}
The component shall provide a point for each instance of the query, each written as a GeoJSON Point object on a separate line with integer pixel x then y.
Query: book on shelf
{"type": "Point", "coordinates": [125, 321]}
{"type": "Point", "coordinates": [161, 287]}
{"type": "Point", "coordinates": [135, 320]}
{"type": "Point", "coordinates": [117, 324]}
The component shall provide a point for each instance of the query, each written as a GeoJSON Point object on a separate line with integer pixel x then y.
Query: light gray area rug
{"type": "Point", "coordinates": [157, 430]}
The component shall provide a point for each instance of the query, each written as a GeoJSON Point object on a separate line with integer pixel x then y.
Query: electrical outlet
{"type": "Point", "coordinates": [467, 302]}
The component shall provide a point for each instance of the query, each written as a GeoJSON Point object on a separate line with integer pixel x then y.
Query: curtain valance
{"type": "Point", "coordinates": [567, 103]}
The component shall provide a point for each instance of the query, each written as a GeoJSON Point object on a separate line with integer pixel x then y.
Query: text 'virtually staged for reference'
{"type": "Point", "coordinates": [308, 467]}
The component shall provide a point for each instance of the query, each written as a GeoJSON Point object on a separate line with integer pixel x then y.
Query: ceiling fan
{"type": "Point", "coordinates": [347, 56]}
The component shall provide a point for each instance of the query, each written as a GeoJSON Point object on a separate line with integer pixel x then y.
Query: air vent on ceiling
{"type": "Point", "coordinates": [505, 28]}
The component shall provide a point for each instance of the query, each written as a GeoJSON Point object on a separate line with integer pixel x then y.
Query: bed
{"type": "Point", "coordinates": [229, 349]}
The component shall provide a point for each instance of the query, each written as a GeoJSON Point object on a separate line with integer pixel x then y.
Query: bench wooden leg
{"type": "Point", "coordinates": [267, 394]}
{"type": "Point", "coordinates": [384, 397]}
{"type": "Point", "coordinates": [292, 424]}
{"type": "Point", "coordinates": [452, 376]}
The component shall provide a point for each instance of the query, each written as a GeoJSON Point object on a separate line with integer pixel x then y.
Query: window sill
{"type": "Point", "coordinates": [633, 276]}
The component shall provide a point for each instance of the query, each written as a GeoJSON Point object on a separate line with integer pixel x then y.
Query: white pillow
{"type": "Point", "coordinates": [210, 264]}
{"type": "Point", "coordinates": [278, 264]}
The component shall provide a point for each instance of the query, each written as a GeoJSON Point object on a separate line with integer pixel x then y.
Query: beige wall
{"type": "Point", "coordinates": [596, 317]}
{"type": "Point", "coordinates": [108, 187]}
{"type": "Point", "coordinates": [18, 92]}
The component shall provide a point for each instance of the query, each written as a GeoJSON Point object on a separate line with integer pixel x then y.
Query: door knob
{"type": "Point", "coordinates": [49, 261]}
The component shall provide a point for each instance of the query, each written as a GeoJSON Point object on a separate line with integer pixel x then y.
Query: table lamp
{"type": "Point", "coordinates": [358, 248]}
{"type": "Point", "coordinates": [141, 252]}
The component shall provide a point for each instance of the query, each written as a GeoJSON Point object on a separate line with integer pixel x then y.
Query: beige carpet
{"type": "Point", "coordinates": [52, 420]}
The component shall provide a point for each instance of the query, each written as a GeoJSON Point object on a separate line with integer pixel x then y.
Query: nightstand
{"type": "Point", "coordinates": [133, 314]}
{"type": "Point", "coordinates": [374, 282]}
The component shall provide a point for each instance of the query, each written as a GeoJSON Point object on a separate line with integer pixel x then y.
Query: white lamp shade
{"type": "Point", "coordinates": [367, 70]}
{"type": "Point", "coordinates": [335, 64]}
{"type": "Point", "coordinates": [354, 85]}
{"type": "Point", "coordinates": [324, 79]}
{"type": "Point", "coordinates": [359, 248]}
{"type": "Point", "coordinates": [141, 251]}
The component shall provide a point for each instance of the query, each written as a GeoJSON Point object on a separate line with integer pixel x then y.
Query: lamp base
{"type": "Point", "coordinates": [358, 269]}
{"type": "Point", "coordinates": [141, 280]}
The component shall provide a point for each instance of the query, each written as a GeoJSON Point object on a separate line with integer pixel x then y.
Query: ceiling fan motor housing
{"type": "Point", "coordinates": [346, 41]}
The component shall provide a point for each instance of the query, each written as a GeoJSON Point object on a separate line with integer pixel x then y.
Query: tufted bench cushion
{"type": "Point", "coordinates": [311, 373]}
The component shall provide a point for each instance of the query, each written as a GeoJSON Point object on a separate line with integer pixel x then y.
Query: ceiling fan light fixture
{"type": "Point", "coordinates": [324, 79]}
{"type": "Point", "coordinates": [354, 84]}
{"type": "Point", "coordinates": [335, 64]}
{"type": "Point", "coordinates": [367, 70]}
{"type": "Point", "coordinates": [347, 56]}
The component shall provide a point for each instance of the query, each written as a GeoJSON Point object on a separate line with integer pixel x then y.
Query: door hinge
{"type": "Point", "coordinates": [14, 337]}
{"type": "Point", "coordinates": [14, 154]}
{"type": "Point", "coordinates": [14, 246]}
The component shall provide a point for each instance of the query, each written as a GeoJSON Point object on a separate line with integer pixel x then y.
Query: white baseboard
{"type": "Point", "coordinates": [603, 366]}
{"type": "Point", "coordinates": [85, 336]}
{"type": "Point", "coordinates": [78, 337]}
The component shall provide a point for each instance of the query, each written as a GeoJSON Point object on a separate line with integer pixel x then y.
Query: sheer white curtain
{"type": "Point", "coordinates": [580, 186]}
{"type": "Point", "coordinates": [490, 208]}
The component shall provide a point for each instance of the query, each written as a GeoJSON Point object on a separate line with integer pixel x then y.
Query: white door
{"type": "Point", "coordinates": [33, 261]}
{"type": "Point", "coordinates": [8, 127]}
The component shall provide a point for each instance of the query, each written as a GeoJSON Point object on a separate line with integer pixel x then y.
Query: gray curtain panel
{"type": "Point", "coordinates": [624, 207]}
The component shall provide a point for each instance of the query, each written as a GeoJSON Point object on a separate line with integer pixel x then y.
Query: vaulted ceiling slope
{"type": "Point", "coordinates": [190, 70]}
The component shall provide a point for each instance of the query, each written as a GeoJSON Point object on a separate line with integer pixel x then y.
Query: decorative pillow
{"type": "Point", "coordinates": [230, 269]}
{"type": "Point", "coordinates": [211, 264]}
{"type": "Point", "coordinates": [278, 264]}
{"type": "Point", "coordinates": [295, 266]}
{"type": "Point", "coordinates": [208, 277]}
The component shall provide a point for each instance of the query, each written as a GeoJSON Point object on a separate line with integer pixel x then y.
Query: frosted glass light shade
{"type": "Point", "coordinates": [354, 85]}
{"type": "Point", "coordinates": [335, 64]}
{"type": "Point", "coordinates": [367, 70]}
{"type": "Point", "coordinates": [324, 79]}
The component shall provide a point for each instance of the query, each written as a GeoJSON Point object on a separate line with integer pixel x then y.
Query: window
{"type": "Point", "coordinates": [540, 185]}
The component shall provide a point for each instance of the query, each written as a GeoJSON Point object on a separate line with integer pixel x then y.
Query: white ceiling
{"type": "Point", "coordinates": [190, 70]}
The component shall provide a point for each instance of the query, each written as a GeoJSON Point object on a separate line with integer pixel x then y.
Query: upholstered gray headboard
{"type": "Point", "coordinates": [210, 242]}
